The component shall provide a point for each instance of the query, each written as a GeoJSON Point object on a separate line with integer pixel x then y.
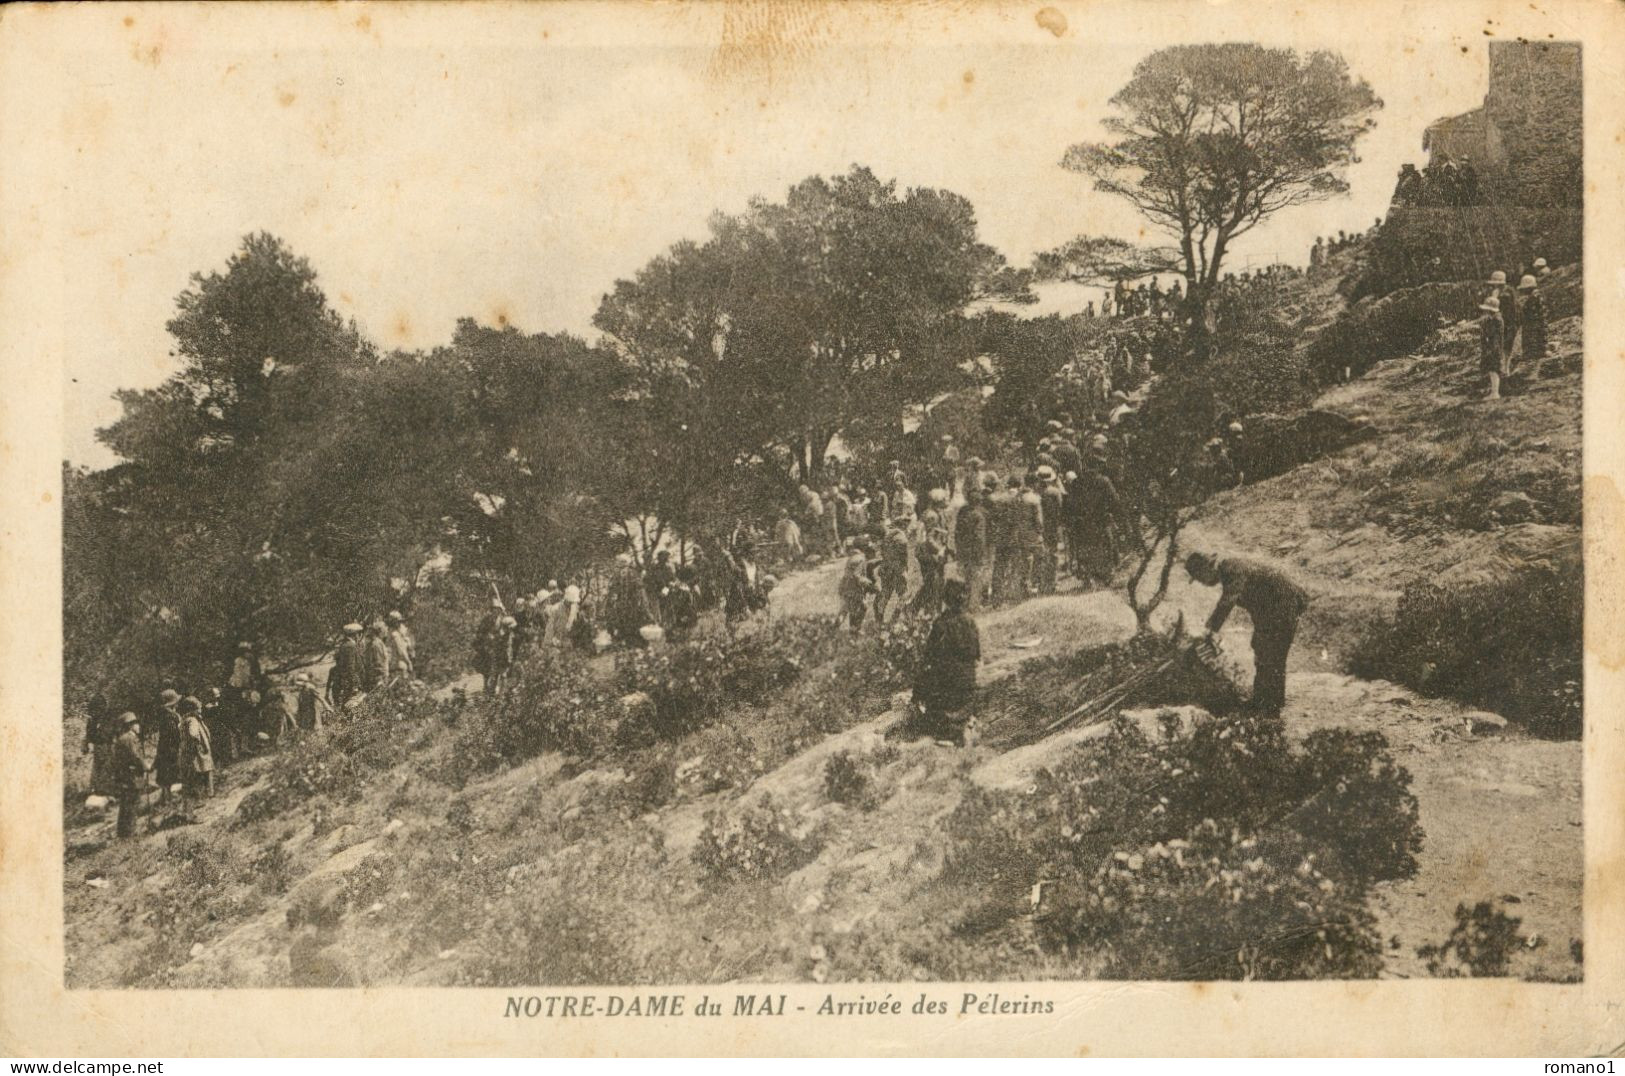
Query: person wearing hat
{"type": "Point", "coordinates": [129, 773]}
{"type": "Point", "coordinates": [931, 554]}
{"type": "Point", "coordinates": [1531, 321]}
{"type": "Point", "coordinates": [1507, 304]}
{"type": "Point", "coordinates": [945, 685]}
{"type": "Point", "coordinates": [855, 586]}
{"type": "Point", "coordinates": [497, 657]}
{"type": "Point", "coordinates": [971, 549]}
{"type": "Point", "coordinates": [166, 762]}
{"type": "Point", "coordinates": [561, 617]}
{"type": "Point", "coordinates": [681, 604]}
{"type": "Point", "coordinates": [344, 679]}
{"type": "Point", "coordinates": [892, 575]}
{"type": "Point", "coordinates": [309, 707]}
{"type": "Point", "coordinates": [1093, 517]}
{"type": "Point", "coordinates": [1541, 268]}
{"type": "Point", "coordinates": [1272, 600]}
{"type": "Point", "coordinates": [1491, 347]}
{"type": "Point", "coordinates": [1052, 496]}
{"type": "Point", "coordinates": [374, 658]}
{"type": "Point", "coordinates": [197, 754]}
{"type": "Point", "coordinates": [787, 536]}
{"type": "Point", "coordinates": [403, 648]}
{"type": "Point", "coordinates": [1027, 518]}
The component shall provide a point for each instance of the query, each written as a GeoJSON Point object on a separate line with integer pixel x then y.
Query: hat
{"type": "Point", "coordinates": [509, 622]}
{"type": "Point", "coordinates": [394, 614]}
{"type": "Point", "coordinates": [352, 628]}
{"type": "Point", "coordinates": [1053, 424]}
{"type": "Point", "coordinates": [302, 678]}
{"type": "Point", "coordinates": [127, 718]}
{"type": "Point", "coordinates": [1540, 263]}
{"type": "Point", "coordinates": [1234, 427]}
{"type": "Point", "coordinates": [1046, 473]}
{"type": "Point", "coordinates": [1528, 281]}
{"type": "Point", "coordinates": [169, 697]}
{"type": "Point", "coordinates": [974, 461]}
{"type": "Point", "coordinates": [939, 496]}
{"type": "Point", "coordinates": [1492, 305]}
{"type": "Point", "coordinates": [189, 705]}
{"type": "Point", "coordinates": [572, 594]}
{"type": "Point", "coordinates": [1498, 277]}
{"type": "Point", "coordinates": [245, 646]}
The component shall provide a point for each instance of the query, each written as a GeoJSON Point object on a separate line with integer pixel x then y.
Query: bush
{"type": "Point", "coordinates": [759, 842]}
{"type": "Point", "coordinates": [691, 684]}
{"type": "Point", "coordinates": [1375, 330]}
{"type": "Point", "coordinates": [556, 704]}
{"type": "Point", "coordinates": [1217, 851]}
{"type": "Point", "coordinates": [1215, 905]}
{"type": "Point", "coordinates": [1481, 943]}
{"type": "Point", "coordinates": [846, 782]}
{"type": "Point", "coordinates": [1512, 645]}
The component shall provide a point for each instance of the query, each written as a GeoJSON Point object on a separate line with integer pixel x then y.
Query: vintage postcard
{"type": "Point", "coordinates": [792, 527]}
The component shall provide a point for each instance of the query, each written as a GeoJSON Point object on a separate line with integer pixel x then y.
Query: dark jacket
{"type": "Point", "coordinates": [1270, 598]}
{"type": "Point", "coordinates": [1533, 318]}
{"type": "Point", "coordinates": [129, 764]}
{"type": "Point", "coordinates": [947, 677]}
{"type": "Point", "coordinates": [970, 535]}
{"type": "Point", "coordinates": [344, 679]}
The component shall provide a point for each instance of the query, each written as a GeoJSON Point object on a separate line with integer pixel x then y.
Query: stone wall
{"type": "Point", "coordinates": [1525, 140]}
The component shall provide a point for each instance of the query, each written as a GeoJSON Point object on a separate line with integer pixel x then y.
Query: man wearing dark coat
{"type": "Point", "coordinates": [946, 683]}
{"type": "Point", "coordinates": [129, 773]}
{"type": "Point", "coordinates": [1273, 601]}
{"type": "Point", "coordinates": [167, 764]}
{"type": "Point", "coordinates": [344, 679]}
{"type": "Point", "coordinates": [971, 549]}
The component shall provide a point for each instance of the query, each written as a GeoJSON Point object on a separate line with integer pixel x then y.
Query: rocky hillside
{"type": "Point", "coordinates": [789, 838]}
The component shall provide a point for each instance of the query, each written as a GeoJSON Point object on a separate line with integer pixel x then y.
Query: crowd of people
{"type": "Point", "coordinates": [174, 743]}
{"type": "Point", "coordinates": [1444, 182]}
{"type": "Point", "coordinates": [1512, 322]}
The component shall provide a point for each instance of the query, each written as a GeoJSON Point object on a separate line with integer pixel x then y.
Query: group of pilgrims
{"type": "Point", "coordinates": [1512, 321]}
{"type": "Point", "coordinates": [172, 744]}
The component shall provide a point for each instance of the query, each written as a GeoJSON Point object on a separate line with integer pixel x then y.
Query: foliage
{"type": "Point", "coordinates": [761, 841]}
{"type": "Point", "coordinates": [846, 782]}
{"type": "Point", "coordinates": [1480, 945]}
{"type": "Point", "coordinates": [795, 318]}
{"type": "Point", "coordinates": [1212, 140]}
{"type": "Point", "coordinates": [1212, 851]}
{"type": "Point", "coordinates": [1375, 330]}
{"type": "Point", "coordinates": [288, 478]}
{"type": "Point", "coordinates": [1512, 644]}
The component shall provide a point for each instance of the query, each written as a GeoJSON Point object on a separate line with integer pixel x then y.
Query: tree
{"type": "Point", "coordinates": [797, 318]}
{"type": "Point", "coordinates": [1211, 140]}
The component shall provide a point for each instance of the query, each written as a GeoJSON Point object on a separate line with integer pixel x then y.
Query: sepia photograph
{"type": "Point", "coordinates": [731, 496]}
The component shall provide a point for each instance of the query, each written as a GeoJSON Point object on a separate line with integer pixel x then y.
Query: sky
{"type": "Point", "coordinates": [515, 172]}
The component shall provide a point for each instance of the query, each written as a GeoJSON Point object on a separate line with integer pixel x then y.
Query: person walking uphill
{"type": "Point", "coordinates": [946, 683]}
{"type": "Point", "coordinates": [129, 773]}
{"type": "Point", "coordinates": [1274, 603]}
{"type": "Point", "coordinates": [344, 678]}
{"type": "Point", "coordinates": [971, 549]}
{"type": "Point", "coordinates": [854, 588]}
{"type": "Point", "coordinates": [1491, 335]}
{"type": "Point", "coordinates": [167, 763]}
{"type": "Point", "coordinates": [1532, 318]}
{"type": "Point", "coordinates": [197, 755]}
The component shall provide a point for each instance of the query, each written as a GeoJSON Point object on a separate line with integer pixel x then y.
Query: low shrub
{"type": "Point", "coordinates": [1512, 644]}
{"type": "Point", "coordinates": [1218, 850]}
{"type": "Point", "coordinates": [761, 841]}
{"type": "Point", "coordinates": [846, 781]}
{"type": "Point", "coordinates": [1481, 943]}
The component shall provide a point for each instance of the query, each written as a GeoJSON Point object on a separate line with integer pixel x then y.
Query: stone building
{"type": "Point", "coordinates": [1525, 139]}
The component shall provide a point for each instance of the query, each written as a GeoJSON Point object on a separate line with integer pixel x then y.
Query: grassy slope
{"type": "Point", "coordinates": [485, 883]}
